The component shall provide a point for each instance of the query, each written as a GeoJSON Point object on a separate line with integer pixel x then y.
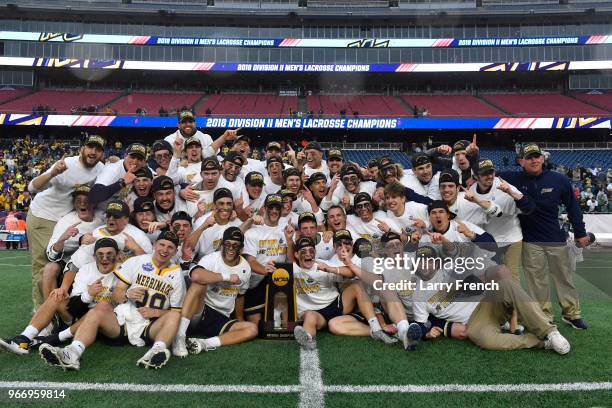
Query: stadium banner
{"type": "Point", "coordinates": [251, 67]}
{"type": "Point", "coordinates": [309, 123]}
{"type": "Point", "coordinates": [306, 42]}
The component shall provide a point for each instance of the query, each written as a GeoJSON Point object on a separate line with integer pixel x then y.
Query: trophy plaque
{"type": "Point", "coordinates": [280, 312]}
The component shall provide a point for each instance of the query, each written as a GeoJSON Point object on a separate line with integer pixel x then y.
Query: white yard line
{"type": "Point", "coordinates": [432, 388]}
{"type": "Point", "coordinates": [311, 380]}
{"type": "Point", "coordinates": [198, 388]}
{"type": "Point", "coordinates": [311, 390]}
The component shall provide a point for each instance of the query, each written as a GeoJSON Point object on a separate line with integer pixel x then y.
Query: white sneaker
{"type": "Point", "coordinates": [196, 346]}
{"type": "Point", "coordinates": [156, 357]}
{"type": "Point", "coordinates": [59, 357]}
{"type": "Point", "coordinates": [555, 341]}
{"type": "Point", "coordinates": [303, 338]}
{"type": "Point", "coordinates": [179, 348]}
{"type": "Point", "coordinates": [382, 336]}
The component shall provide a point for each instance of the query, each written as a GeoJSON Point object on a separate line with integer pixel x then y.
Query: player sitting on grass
{"type": "Point", "coordinates": [354, 297]}
{"type": "Point", "coordinates": [217, 279]}
{"type": "Point", "coordinates": [480, 315]}
{"type": "Point", "coordinates": [152, 289]}
{"type": "Point", "coordinates": [93, 284]}
{"type": "Point", "coordinates": [318, 300]}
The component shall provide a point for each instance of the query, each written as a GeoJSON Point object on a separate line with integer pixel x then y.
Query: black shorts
{"type": "Point", "coordinates": [334, 309]}
{"type": "Point", "coordinates": [123, 339]}
{"type": "Point", "coordinates": [212, 324]}
{"type": "Point", "coordinates": [76, 307]}
{"type": "Point", "coordinates": [255, 299]}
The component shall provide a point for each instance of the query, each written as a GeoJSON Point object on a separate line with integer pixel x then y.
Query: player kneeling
{"type": "Point", "coordinates": [152, 288]}
{"type": "Point", "coordinates": [218, 278]}
{"type": "Point", "coordinates": [93, 284]}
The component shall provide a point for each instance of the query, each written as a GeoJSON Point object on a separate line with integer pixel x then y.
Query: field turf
{"type": "Point", "coordinates": [390, 375]}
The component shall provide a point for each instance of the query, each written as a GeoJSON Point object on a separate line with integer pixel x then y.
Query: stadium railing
{"type": "Point", "coordinates": [575, 145]}
{"type": "Point", "coordinates": [361, 146]}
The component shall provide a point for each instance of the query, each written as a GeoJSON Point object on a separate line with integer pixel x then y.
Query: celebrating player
{"type": "Point", "coordinates": [53, 189]}
{"type": "Point", "coordinates": [150, 290]}
{"type": "Point", "coordinates": [216, 281]}
{"type": "Point", "coordinates": [93, 284]}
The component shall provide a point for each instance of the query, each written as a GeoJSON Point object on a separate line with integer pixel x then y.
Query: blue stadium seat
{"type": "Point", "coordinates": [568, 158]}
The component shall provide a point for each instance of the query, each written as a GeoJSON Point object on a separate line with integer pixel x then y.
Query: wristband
{"type": "Point", "coordinates": [226, 275]}
{"type": "Point", "coordinates": [54, 255]}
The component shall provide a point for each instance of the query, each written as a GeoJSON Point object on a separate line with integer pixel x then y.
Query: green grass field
{"type": "Point", "coordinates": [347, 365]}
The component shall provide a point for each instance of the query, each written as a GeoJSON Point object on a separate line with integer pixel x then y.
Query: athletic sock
{"type": "Point", "coordinates": [77, 347]}
{"type": "Point", "coordinates": [402, 326]}
{"type": "Point", "coordinates": [30, 332]}
{"type": "Point", "coordinates": [65, 334]}
{"type": "Point", "coordinates": [212, 342]}
{"type": "Point", "coordinates": [374, 324]}
{"type": "Point", "coordinates": [160, 344]}
{"type": "Point", "coordinates": [183, 326]}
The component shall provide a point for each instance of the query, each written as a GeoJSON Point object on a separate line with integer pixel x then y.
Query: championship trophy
{"type": "Point", "coordinates": [280, 313]}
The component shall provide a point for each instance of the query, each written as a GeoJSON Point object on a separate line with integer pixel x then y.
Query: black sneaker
{"type": "Point", "coordinates": [411, 337]}
{"type": "Point", "coordinates": [53, 340]}
{"type": "Point", "coordinates": [18, 344]}
{"type": "Point", "coordinates": [578, 324]}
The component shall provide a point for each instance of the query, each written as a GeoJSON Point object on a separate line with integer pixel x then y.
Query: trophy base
{"type": "Point", "coordinates": [267, 331]}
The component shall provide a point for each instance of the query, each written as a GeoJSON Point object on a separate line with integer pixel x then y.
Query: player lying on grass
{"type": "Point", "coordinates": [93, 284]}
{"type": "Point", "coordinates": [216, 280]}
{"type": "Point", "coordinates": [480, 315]}
{"type": "Point", "coordinates": [150, 291]}
{"type": "Point", "coordinates": [357, 308]}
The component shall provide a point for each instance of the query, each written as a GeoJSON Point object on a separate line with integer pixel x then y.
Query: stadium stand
{"type": "Point", "coordinates": [152, 101]}
{"type": "Point", "coordinates": [541, 104]}
{"type": "Point", "coordinates": [487, 105]}
{"type": "Point", "coordinates": [453, 105]}
{"type": "Point", "coordinates": [249, 104]}
{"type": "Point", "coordinates": [8, 94]}
{"type": "Point", "coordinates": [62, 101]}
{"type": "Point", "coordinates": [601, 100]}
{"type": "Point", "coordinates": [371, 105]}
